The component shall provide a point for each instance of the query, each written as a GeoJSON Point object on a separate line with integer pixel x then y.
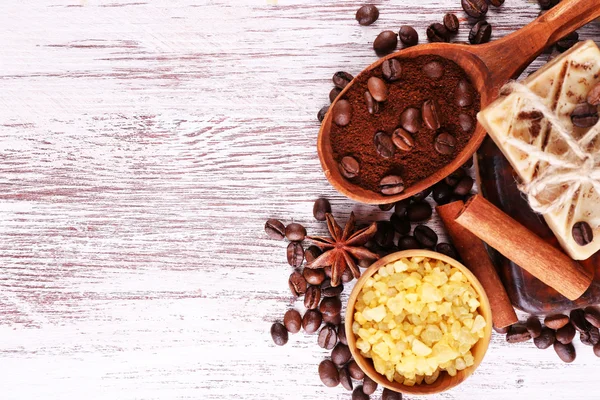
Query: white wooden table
{"type": "Point", "coordinates": [142, 146]}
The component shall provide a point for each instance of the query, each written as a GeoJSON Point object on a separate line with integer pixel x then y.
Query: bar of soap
{"type": "Point", "coordinates": [561, 85]}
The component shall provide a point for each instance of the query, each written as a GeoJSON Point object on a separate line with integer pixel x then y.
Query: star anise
{"type": "Point", "coordinates": [343, 248]}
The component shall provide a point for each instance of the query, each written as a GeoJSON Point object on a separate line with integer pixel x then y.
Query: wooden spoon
{"type": "Point", "coordinates": [489, 67]}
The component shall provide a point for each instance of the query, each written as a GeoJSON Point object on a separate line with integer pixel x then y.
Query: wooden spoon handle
{"type": "Point", "coordinates": [508, 57]}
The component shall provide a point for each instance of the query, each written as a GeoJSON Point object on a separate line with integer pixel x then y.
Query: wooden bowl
{"type": "Point", "coordinates": [445, 381]}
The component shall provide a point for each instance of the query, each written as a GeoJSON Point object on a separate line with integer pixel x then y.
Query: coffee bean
{"type": "Point", "coordinates": [438, 33]}
{"type": "Point", "coordinates": [408, 243]}
{"type": "Point", "coordinates": [463, 94]}
{"type": "Point", "coordinates": [582, 233]}
{"type": "Point", "coordinates": [327, 338]}
{"type": "Point", "coordinates": [358, 394]}
{"type": "Point", "coordinates": [369, 385]}
{"type": "Point", "coordinates": [422, 195]}
{"type": "Point", "coordinates": [475, 8]}
{"type": "Point", "coordinates": [330, 291]}
{"type": "Point", "coordinates": [546, 4]}
{"type": "Point", "coordinates": [384, 145]}
{"type": "Point", "coordinates": [578, 320]}
{"type": "Point", "coordinates": [314, 276]}
{"type": "Point", "coordinates": [330, 306]}
{"type": "Point", "coordinates": [556, 321]}
{"type": "Point", "coordinates": [312, 297]}
{"type": "Point", "coordinates": [297, 284]}
{"type": "Point", "coordinates": [403, 140]}
{"type": "Point", "coordinates": [566, 352]}
{"type": "Point", "coordinates": [334, 93]}
{"type": "Point", "coordinates": [445, 143]}
{"type": "Point", "coordinates": [320, 208]}
{"type": "Point", "coordinates": [426, 236]}
{"type": "Point", "coordinates": [341, 330]}
{"type": "Point", "coordinates": [342, 112]}
{"type": "Point", "coordinates": [385, 43]}
{"type": "Point", "coordinates": [534, 326]}
{"type": "Point", "coordinates": [275, 229]}
{"type": "Point", "coordinates": [451, 22]}
{"type": "Point", "coordinates": [322, 112]}
{"type": "Point", "coordinates": [496, 3]}
{"type": "Point", "coordinates": [410, 119]}
{"type": "Point", "coordinates": [390, 395]}
{"type": "Point", "coordinates": [597, 349]}
{"type": "Point", "coordinates": [429, 111]}
{"type": "Point", "coordinates": [328, 373]}
{"type": "Point", "coordinates": [295, 254]}
{"type": "Point", "coordinates": [567, 42]}
{"type": "Point", "coordinates": [311, 321]}
{"type": "Point", "coordinates": [386, 207]}
{"type": "Point", "coordinates": [349, 167]}
{"type": "Point", "coordinates": [584, 115]}
{"type": "Point", "coordinates": [401, 207]}
{"type": "Point", "coordinates": [279, 334]}
{"type": "Point", "coordinates": [565, 334]}
{"type": "Point", "coordinates": [464, 186]}
{"type": "Point", "coordinates": [466, 122]}
{"type": "Point", "coordinates": [378, 88]}
{"type": "Point", "coordinates": [311, 254]}
{"type": "Point", "coordinates": [593, 97]}
{"type": "Point", "coordinates": [480, 33]}
{"type": "Point", "coordinates": [401, 225]}
{"type": "Point", "coordinates": [391, 69]}
{"type": "Point", "coordinates": [345, 378]}
{"type": "Point", "coordinates": [447, 249]}
{"type": "Point", "coordinates": [391, 184]}
{"type": "Point", "coordinates": [367, 14]}
{"type": "Point", "coordinates": [545, 339]}
{"type": "Point", "coordinates": [408, 35]}
{"type": "Point", "coordinates": [333, 319]}
{"type": "Point", "coordinates": [455, 177]}
{"type": "Point", "coordinates": [418, 212]}
{"type": "Point", "coordinates": [384, 237]}
{"type": "Point", "coordinates": [592, 315]}
{"type": "Point", "coordinates": [502, 331]}
{"type": "Point", "coordinates": [341, 354]}
{"type": "Point", "coordinates": [372, 105]}
{"type": "Point", "coordinates": [355, 371]}
{"type": "Point", "coordinates": [295, 232]}
{"type": "Point", "coordinates": [341, 79]}
{"type": "Point", "coordinates": [517, 333]}
{"type": "Point", "coordinates": [433, 70]}
{"type": "Point", "coordinates": [594, 335]}
{"type": "Point", "coordinates": [292, 321]}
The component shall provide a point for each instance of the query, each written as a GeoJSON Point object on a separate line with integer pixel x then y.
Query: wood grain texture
{"type": "Point", "coordinates": [142, 146]}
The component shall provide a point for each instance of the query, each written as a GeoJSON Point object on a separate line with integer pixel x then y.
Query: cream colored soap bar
{"type": "Point", "coordinates": [513, 119]}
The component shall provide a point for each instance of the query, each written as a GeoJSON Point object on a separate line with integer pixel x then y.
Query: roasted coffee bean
{"type": "Point", "coordinates": [447, 249]}
{"type": "Point", "coordinates": [341, 79]}
{"type": "Point", "coordinates": [466, 122]}
{"type": "Point", "coordinates": [329, 374]}
{"type": "Point", "coordinates": [378, 88]}
{"type": "Point", "coordinates": [334, 93]}
{"type": "Point", "coordinates": [312, 253]}
{"type": "Point", "coordinates": [391, 69]}
{"type": "Point", "coordinates": [358, 394]}
{"type": "Point", "coordinates": [545, 339]}
{"type": "Point", "coordinates": [342, 334]}
{"type": "Point", "coordinates": [279, 334]}
{"type": "Point", "coordinates": [341, 354]}
{"type": "Point", "coordinates": [455, 177]}
{"type": "Point", "coordinates": [386, 207]}
{"type": "Point", "coordinates": [367, 14]}
{"type": "Point", "coordinates": [408, 35]}
{"type": "Point", "coordinates": [546, 4]}
{"type": "Point", "coordinates": [297, 284]}
{"type": "Point", "coordinates": [369, 385]}
{"type": "Point", "coordinates": [372, 105]}
{"type": "Point", "coordinates": [311, 321]}
{"type": "Point", "coordinates": [592, 315]}
{"type": "Point", "coordinates": [403, 140]}
{"type": "Point", "coordinates": [496, 3]}
{"type": "Point", "coordinates": [422, 195]}
{"type": "Point", "coordinates": [578, 320]}
{"type": "Point", "coordinates": [426, 236]}
{"type": "Point", "coordinates": [534, 326]}
{"type": "Point", "coordinates": [330, 291]}
{"type": "Point", "coordinates": [333, 319]}
{"type": "Point", "coordinates": [385, 43]}
{"type": "Point", "coordinates": [480, 33]}
{"type": "Point", "coordinates": [565, 334]}
{"type": "Point", "coordinates": [451, 22]}
{"type": "Point", "coordinates": [582, 233]}
{"type": "Point", "coordinates": [384, 145]}
{"type": "Point", "coordinates": [591, 337]}
{"type": "Point", "coordinates": [327, 338]}
{"type": "Point", "coordinates": [475, 8]}
{"type": "Point", "coordinates": [275, 229]}
{"type": "Point", "coordinates": [322, 112]}
{"type": "Point", "coordinates": [463, 93]}
{"type": "Point", "coordinates": [438, 33]}
{"type": "Point", "coordinates": [502, 331]}
{"type": "Point", "coordinates": [556, 321]}
{"type": "Point", "coordinates": [464, 186]}
{"type": "Point", "coordinates": [384, 237]}
{"type": "Point", "coordinates": [597, 349]}
{"type": "Point", "coordinates": [355, 371]}
{"type": "Point", "coordinates": [391, 184]}
{"type": "Point", "coordinates": [330, 306]}
{"type": "Point", "coordinates": [292, 321]}
{"type": "Point", "coordinates": [410, 119]}
{"type": "Point", "coordinates": [401, 225]}
{"type": "Point", "coordinates": [314, 276]}
{"type": "Point", "coordinates": [442, 193]}
{"type": "Point", "coordinates": [320, 208]}
{"type": "Point", "coordinates": [566, 352]}
{"type": "Point", "coordinates": [312, 297]}
{"type": "Point", "coordinates": [445, 143]}
{"type": "Point", "coordinates": [517, 333]}
{"type": "Point", "coordinates": [346, 379]}
{"type": "Point", "coordinates": [401, 207]}
{"type": "Point", "coordinates": [408, 243]}
{"type": "Point", "coordinates": [295, 254]}
{"type": "Point", "coordinates": [418, 212]}
{"type": "Point", "coordinates": [349, 167]}
{"type": "Point", "coordinates": [342, 112]}
{"type": "Point", "coordinates": [388, 394]}
{"type": "Point", "coordinates": [295, 232]}
{"type": "Point", "coordinates": [593, 97]}
{"type": "Point", "coordinates": [567, 42]}
{"type": "Point", "coordinates": [584, 115]}
{"type": "Point", "coordinates": [433, 70]}
{"type": "Point", "coordinates": [429, 113]}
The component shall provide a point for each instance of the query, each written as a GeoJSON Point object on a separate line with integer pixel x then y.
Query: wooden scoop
{"type": "Point", "coordinates": [489, 67]}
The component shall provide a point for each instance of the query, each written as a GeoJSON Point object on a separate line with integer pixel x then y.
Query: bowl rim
{"type": "Point", "coordinates": [421, 389]}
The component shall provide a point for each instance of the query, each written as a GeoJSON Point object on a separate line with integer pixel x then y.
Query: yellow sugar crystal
{"type": "Point", "coordinates": [420, 349]}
